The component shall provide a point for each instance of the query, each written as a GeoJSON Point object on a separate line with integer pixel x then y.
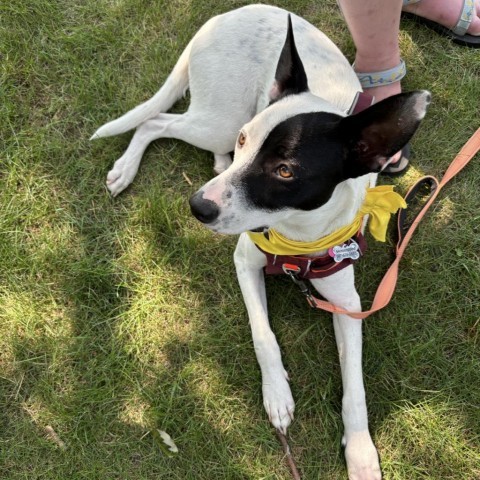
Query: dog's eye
{"type": "Point", "coordinates": [284, 171]}
{"type": "Point", "coordinates": [242, 139]}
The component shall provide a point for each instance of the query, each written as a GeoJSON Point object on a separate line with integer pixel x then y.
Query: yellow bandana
{"type": "Point", "coordinates": [380, 202]}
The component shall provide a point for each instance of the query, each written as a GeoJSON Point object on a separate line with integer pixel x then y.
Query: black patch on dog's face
{"type": "Point", "coordinates": [305, 146]}
{"type": "Point", "coordinates": [320, 150]}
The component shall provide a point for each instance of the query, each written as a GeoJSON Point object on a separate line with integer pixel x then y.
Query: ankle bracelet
{"type": "Point", "coordinates": [385, 77]}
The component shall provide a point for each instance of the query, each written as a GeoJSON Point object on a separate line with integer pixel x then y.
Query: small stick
{"type": "Point", "coordinates": [53, 436]}
{"type": "Point", "coordinates": [185, 176]}
{"type": "Point", "coordinates": [288, 455]}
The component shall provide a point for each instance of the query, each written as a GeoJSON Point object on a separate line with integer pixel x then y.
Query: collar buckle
{"type": "Point", "coordinates": [292, 271]}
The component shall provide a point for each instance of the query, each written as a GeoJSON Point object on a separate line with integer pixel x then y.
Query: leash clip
{"type": "Point", "coordinates": [292, 271]}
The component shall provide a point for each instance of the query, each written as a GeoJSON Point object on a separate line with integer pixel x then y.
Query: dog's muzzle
{"type": "Point", "coordinates": [202, 209]}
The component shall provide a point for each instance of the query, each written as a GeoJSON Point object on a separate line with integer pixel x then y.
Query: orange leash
{"type": "Point", "coordinates": [387, 285]}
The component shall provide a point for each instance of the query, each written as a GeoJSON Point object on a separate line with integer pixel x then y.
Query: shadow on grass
{"type": "Point", "coordinates": [99, 374]}
{"type": "Point", "coordinates": [205, 384]}
{"type": "Point", "coordinates": [86, 382]}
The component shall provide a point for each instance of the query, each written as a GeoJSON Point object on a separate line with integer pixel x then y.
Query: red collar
{"type": "Point", "coordinates": [311, 267]}
{"type": "Point", "coordinates": [361, 102]}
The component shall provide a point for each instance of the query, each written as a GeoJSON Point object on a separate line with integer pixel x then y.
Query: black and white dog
{"type": "Point", "coordinates": [301, 165]}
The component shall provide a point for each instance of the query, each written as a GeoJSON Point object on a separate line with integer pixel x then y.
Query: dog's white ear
{"type": "Point", "coordinates": [374, 135]}
{"type": "Point", "coordinates": [290, 77]}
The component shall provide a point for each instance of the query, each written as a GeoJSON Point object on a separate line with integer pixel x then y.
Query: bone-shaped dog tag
{"type": "Point", "coordinates": [342, 252]}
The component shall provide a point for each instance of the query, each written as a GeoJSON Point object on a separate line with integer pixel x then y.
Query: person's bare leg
{"type": "Point", "coordinates": [374, 26]}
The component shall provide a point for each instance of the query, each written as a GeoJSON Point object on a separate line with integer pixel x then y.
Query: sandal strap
{"type": "Point", "coordinates": [465, 18]}
{"type": "Point", "coordinates": [385, 77]}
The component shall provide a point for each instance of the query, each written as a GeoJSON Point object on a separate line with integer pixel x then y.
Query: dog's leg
{"type": "Point", "coordinates": [360, 452]}
{"type": "Point", "coordinates": [187, 127]}
{"type": "Point", "coordinates": [126, 167]}
{"type": "Point", "coordinates": [277, 397]}
{"type": "Point", "coordinates": [222, 162]}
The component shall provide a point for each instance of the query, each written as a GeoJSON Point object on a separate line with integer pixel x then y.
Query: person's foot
{"type": "Point", "coordinates": [445, 12]}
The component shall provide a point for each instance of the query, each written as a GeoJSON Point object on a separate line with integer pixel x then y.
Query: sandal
{"type": "Point", "coordinates": [457, 34]}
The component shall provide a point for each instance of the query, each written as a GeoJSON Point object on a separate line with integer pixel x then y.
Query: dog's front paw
{"type": "Point", "coordinates": [278, 401]}
{"type": "Point", "coordinates": [362, 457]}
{"type": "Point", "coordinates": [121, 176]}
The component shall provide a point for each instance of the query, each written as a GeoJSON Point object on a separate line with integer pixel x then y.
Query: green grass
{"type": "Point", "coordinates": [121, 316]}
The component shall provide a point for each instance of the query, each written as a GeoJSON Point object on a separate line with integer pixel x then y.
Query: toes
{"type": "Point", "coordinates": [362, 458]}
{"type": "Point", "coordinates": [280, 414]}
{"type": "Point", "coordinates": [120, 177]}
{"type": "Point", "coordinates": [476, 21]}
{"type": "Point", "coordinates": [474, 28]}
{"type": "Point", "coordinates": [290, 411]}
{"type": "Point", "coordinates": [281, 423]}
{"type": "Point", "coordinates": [112, 177]}
{"type": "Point", "coordinates": [117, 186]}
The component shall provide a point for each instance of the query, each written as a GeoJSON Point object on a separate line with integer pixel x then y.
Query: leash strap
{"type": "Point", "coordinates": [386, 287]}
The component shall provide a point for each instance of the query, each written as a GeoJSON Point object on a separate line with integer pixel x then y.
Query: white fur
{"type": "Point", "coordinates": [229, 66]}
{"type": "Point", "coordinates": [230, 69]}
{"type": "Point", "coordinates": [236, 216]}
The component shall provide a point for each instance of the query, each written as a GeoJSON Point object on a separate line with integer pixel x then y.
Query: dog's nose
{"type": "Point", "coordinates": [204, 210]}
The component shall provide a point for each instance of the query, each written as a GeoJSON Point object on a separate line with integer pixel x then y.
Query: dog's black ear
{"type": "Point", "coordinates": [290, 77]}
{"type": "Point", "coordinates": [371, 137]}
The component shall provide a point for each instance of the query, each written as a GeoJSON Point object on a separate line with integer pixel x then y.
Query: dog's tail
{"type": "Point", "coordinates": [173, 89]}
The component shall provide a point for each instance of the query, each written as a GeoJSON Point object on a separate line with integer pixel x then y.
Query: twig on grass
{"type": "Point", "coordinates": [288, 455]}
{"type": "Point", "coordinates": [187, 179]}
{"type": "Point", "coordinates": [52, 435]}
